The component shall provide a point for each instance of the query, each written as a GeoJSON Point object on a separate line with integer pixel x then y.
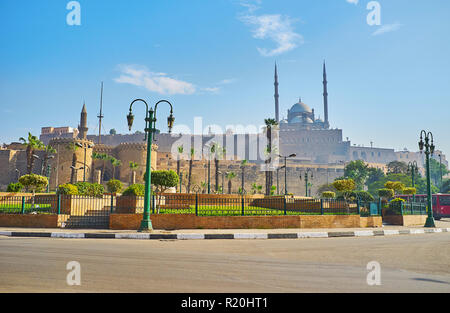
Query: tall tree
{"type": "Point", "coordinates": [244, 164]}
{"type": "Point", "coordinates": [271, 124]}
{"type": "Point", "coordinates": [191, 160]}
{"type": "Point", "coordinates": [397, 167]}
{"type": "Point", "coordinates": [49, 151]}
{"type": "Point", "coordinates": [358, 171]}
{"type": "Point", "coordinates": [115, 163]}
{"type": "Point", "coordinates": [180, 150]}
{"type": "Point", "coordinates": [133, 167]}
{"type": "Point", "coordinates": [32, 143]}
{"type": "Point", "coordinates": [230, 177]}
{"type": "Point", "coordinates": [218, 153]}
{"type": "Point", "coordinates": [436, 170]}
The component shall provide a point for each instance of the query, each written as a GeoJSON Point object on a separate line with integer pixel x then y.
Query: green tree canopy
{"type": "Point", "coordinates": [358, 171]}
{"type": "Point", "coordinates": [114, 186]}
{"type": "Point", "coordinates": [397, 167]}
{"type": "Point", "coordinates": [386, 193]}
{"type": "Point", "coordinates": [33, 182]}
{"type": "Point", "coordinates": [345, 187]}
{"type": "Point", "coordinates": [163, 180]}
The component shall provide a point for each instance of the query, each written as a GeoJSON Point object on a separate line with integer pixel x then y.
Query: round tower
{"type": "Point", "coordinates": [71, 152]}
{"type": "Point", "coordinates": [134, 152]}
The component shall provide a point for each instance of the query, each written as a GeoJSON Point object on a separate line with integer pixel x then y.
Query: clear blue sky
{"type": "Point", "coordinates": [215, 59]}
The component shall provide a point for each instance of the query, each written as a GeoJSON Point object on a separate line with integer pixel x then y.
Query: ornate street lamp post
{"type": "Point", "coordinates": [440, 172]}
{"type": "Point", "coordinates": [429, 150]}
{"type": "Point", "coordinates": [278, 181]}
{"type": "Point", "coordinates": [285, 170]}
{"type": "Point", "coordinates": [85, 147]}
{"type": "Point", "coordinates": [413, 168]}
{"type": "Point", "coordinates": [150, 127]}
{"type": "Point", "coordinates": [308, 174]}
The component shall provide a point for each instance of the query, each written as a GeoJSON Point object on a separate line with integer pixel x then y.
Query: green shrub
{"type": "Point", "coordinates": [328, 195]}
{"type": "Point", "coordinates": [67, 189]}
{"type": "Point", "coordinates": [364, 196]}
{"type": "Point", "coordinates": [409, 191]}
{"type": "Point", "coordinates": [397, 200]}
{"type": "Point", "coordinates": [114, 186]}
{"type": "Point", "coordinates": [135, 190]}
{"type": "Point", "coordinates": [33, 182]}
{"type": "Point", "coordinates": [386, 193]}
{"type": "Point", "coordinates": [91, 190]}
{"type": "Point", "coordinates": [14, 187]}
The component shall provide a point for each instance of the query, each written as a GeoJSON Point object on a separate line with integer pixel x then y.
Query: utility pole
{"type": "Point", "coordinates": [100, 117]}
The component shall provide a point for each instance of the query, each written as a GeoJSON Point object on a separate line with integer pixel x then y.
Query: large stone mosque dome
{"type": "Point", "coordinates": [300, 107]}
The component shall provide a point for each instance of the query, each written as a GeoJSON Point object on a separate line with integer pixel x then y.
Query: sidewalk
{"type": "Point", "coordinates": [183, 234]}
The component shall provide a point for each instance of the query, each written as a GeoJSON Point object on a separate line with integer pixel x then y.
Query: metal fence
{"type": "Point", "coordinates": [406, 208]}
{"type": "Point", "coordinates": [202, 205]}
{"type": "Point", "coordinates": [84, 211]}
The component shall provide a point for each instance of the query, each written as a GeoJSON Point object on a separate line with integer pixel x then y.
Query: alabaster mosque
{"type": "Point", "coordinates": [318, 147]}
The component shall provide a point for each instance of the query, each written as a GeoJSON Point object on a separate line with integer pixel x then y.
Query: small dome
{"type": "Point", "coordinates": [308, 121]}
{"type": "Point", "coordinates": [300, 107]}
{"type": "Point", "coordinates": [296, 120]}
{"type": "Point", "coordinates": [284, 121]}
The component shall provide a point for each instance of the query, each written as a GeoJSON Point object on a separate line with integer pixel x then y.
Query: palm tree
{"type": "Point", "coordinates": [191, 159]}
{"type": "Point", "coordinates": [133, 167]}
{"type": "Point", "coordinates": [270, 124]}
{"type": "Point", "coordinates": [244, 163]}
{"type": "Point", "coordinates": [33, 143]}
{"type": "Point", "coordinates": [230, 176]}
{"type": "Point", "coordinates": [48, 151]}
{"type": "Point", "coordinates": [73, 147]}
{"type": "Point", "coordinates": [256, 189]}
{"type": "Point", "coordinates": [115, 163]}
{"type": "Point", "coordinates": [101, 157]}
{"type": "Point", "coordinates": [204, 186]}
{"type": "Point", "coordinates": [180, 152]}
{"type": "Point", "coordinates": [218, 153]}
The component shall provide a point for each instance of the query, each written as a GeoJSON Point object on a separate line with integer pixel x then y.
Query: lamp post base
{"type": "Point", "coordinates": [146, 226]}
{"type": "Point", "coordinates": [430, 222]}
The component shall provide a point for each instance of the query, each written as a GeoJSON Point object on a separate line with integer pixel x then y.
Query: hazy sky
{"type": "Point", "coordinates": [215, 59]}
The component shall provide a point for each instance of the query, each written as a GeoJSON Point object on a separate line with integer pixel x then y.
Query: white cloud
{"type": "Point", "coordinates": [155, 82]}
{"type": "Point", "coordinates": [355, 2]}
{"type": "Point", "coordinates": [214, 90]}
{"type": "Point", "coordinates": [387, 29]}
{"type": "Point", "coordinates": [277, 28]}
{"type": "Point", "coordinates": [251, 5]}
{"type": "Point", "coordinates": [227, 81]}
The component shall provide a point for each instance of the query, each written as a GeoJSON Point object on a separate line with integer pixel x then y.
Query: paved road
{"type": "Point", "coordinates": [414, 263]}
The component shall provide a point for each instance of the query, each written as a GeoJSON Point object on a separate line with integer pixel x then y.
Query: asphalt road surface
{"type": "Point", "coordinates": [412, 263]}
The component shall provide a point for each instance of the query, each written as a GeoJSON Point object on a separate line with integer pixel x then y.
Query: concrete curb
{"type": "Point", "coordinates": [247, 236]}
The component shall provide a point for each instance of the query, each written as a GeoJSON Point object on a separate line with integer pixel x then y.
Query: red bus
{"type": "Point", "coordinates": [441, 203]}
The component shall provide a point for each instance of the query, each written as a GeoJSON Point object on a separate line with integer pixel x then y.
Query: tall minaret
{"type": "Point", "coordinates": [325, 96]}
{"type": "Point", "coordinates": [277, 96]}
{"type": "Point", "coordinates": [82, 128]}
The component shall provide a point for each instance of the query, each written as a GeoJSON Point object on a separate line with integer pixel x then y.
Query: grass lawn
{"type": "Point", "coordinates": [214, 210]}
{"type": "Point", "coordinates": [17, 208]}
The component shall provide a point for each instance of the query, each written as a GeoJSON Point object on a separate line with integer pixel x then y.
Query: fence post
{"type": "Point", "coordinates": [112, 202]}
{"type": "Point", "coordinates": [196, 204]}
{"type": "Point", "coordinates": [401, 207]}
{"type": "Point", "coordinates": [322, 212]}
{"type": "Point", "coordinates": [23, 205]}
{"type": "Point", "coordinates": [153, 204]}
{"type": "Point", "coordinates": [58, 204]}
{"type": "Point", "coordinates": [284, 204]}
{"type": "Point", "coordinates": [380, 208]}
{"type": "Point", "coordinates": [242, 206]}
{"type": "Point", "coordinates": [358, 206]}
